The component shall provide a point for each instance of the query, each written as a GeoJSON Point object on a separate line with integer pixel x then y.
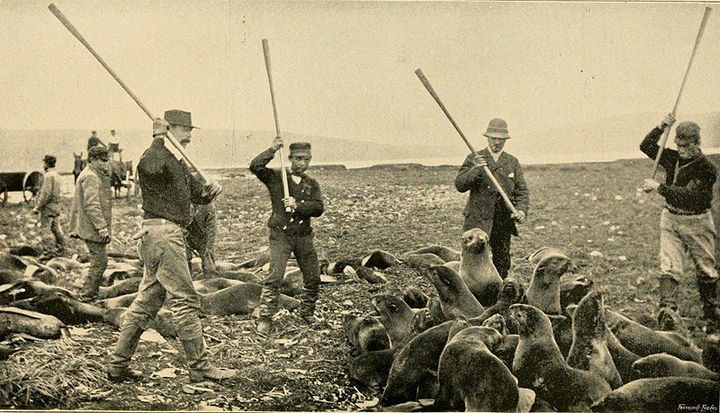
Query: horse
{"type": "Point", "coordinates": [79, 165]}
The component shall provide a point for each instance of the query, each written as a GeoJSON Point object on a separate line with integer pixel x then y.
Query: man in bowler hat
{"type": "Point", "coordinates": [290, 232]}
{"type": "Point", "coordinates": [485, 208]}
{"type": "Point", "coordinates": [168, 190]}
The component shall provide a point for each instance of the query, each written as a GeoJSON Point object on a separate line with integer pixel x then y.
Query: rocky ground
{"type": "Point", "coordinates": [591, 211]}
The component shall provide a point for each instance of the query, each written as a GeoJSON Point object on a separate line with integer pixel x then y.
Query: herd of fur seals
{"type": "Point", "coordinates": [551, 346]}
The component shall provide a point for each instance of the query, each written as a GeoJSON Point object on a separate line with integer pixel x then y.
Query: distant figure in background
{"type": "Point", "coordinates": [93, 140]}
{"type": "Point", "coordinates": [485, 208]}
{"type": "Point", "coordinates": [91, 217]}
{"type": "Point", "coordinates": [113, 139]}
{"type": "Point", "coordinates": [48, 206]}
{"type": "Point", "coordinates": [686, 223]}
{"type": "Point", "coordinates": [290, 232]}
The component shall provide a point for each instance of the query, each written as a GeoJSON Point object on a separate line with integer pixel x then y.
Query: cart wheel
{"type": "Point", "coordinates": [31, 185]}
{"type": "Point", "coordinates": [3, 194]}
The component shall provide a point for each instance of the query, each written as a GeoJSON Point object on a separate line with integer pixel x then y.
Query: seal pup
{"type": "Point", "coordinates": [665, 365]}
{"type": "Point", "coordinates": [379, 259]}
{"type": "Point", "coordinates": [446, 254]}
{"type": "Point", "coordinates": [665, 394]}
{"type": "Point", "coordinates": [573, 287]}
{"type": "Point", "coordinates": [644, 341]}
{"type": "Point", "coordinates": [365, 333]}
{"type": "Point", "coordinates": [589, 349]}
{"type": "Point", "coordinates": [417, 360]}
{"type": "Point", "coordinates": [544, 289]}
{"type": "Point", "coordinates": [371, 369]}
{"type": "Point", "coordinates": [461, 387]}
{"type": "Point", "coordinates": [539, 365]}
{"type": "Point", "coordinates": [397, 317]}
{"type": "Point", "coordinates": [511, 293]}
{"type": "Point", "coordinates": [421, 262]}
{"type": "Point", "coordinates": [415, 298]}
{"type": "Point", "coordinates": [477, 268]}
{"type": "Point", "coordinates": [456, 299]}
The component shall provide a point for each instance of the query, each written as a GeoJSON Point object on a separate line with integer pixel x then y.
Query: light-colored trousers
{"type": "Point", "coordinates": [691, 234]}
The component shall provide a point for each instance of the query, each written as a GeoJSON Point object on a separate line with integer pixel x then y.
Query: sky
{"type": "Point", "coordinates": [346, 69]}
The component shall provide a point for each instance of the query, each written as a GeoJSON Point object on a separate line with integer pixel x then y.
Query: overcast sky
{"type": "Point", "coordinates": [345, 69]}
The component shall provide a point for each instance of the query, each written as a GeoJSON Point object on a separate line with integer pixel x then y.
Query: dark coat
{"type": "Point", "coordinates": [484, 198]}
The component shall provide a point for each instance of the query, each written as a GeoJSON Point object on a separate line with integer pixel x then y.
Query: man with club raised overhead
{"type": "Point", "coordinates": [168, 189]}
{"type": "Point", "coordinates": [686, 223]}
{"type": "Point", "coordinates": [485, 208]}
{"type": "Point", "coordinates": [290, 232]}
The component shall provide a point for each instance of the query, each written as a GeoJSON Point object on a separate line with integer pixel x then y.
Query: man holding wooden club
{"type": "Point", "coordinates": [290, 229]}
{"type": "Point", "coordinates": [486, 208]}
{"type": "Point", "coordinates": [168, 189]}
{"type": "Point", "coordinates": [686, 223]}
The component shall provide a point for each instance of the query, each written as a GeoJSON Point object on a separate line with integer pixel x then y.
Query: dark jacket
{"type": "Point", "coordinates": [91, 209]}
{"type": "Point", "coordinates": [168, 187]}
{"type": "Point", "coordinates": [484, 199]}
{"type": "Point", "coordinates": [687, 187]}
{"type": "Point", "coordinates": [307, 196]}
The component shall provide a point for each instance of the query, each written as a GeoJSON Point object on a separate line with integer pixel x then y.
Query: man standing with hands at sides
{"type": "Point", "coordinates": [686, 223]}
{"type": "Point", "coordinates": [48, 206]}
{"type": "Point", "coordinates": [168, 189]}
{"type": "Point", "coordinates": [91, 217]}
{"type": "Point", "coordinates": [485, 208]}
{"type": "Point", "coordinates": [290, 232]}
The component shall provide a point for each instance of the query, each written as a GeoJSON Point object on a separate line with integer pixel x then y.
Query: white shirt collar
{"type": "Point", "coordinates": [494, 155]}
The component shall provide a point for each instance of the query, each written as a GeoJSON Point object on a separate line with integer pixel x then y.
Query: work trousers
{"type": "Point", "coordinates": [53, 238]}
{"type": "Point", "coordinates": [98, 265]}
{"type": "Point", "coordinates": [500, 238]}
{"type": "Point", "coordinates": [694, 234]}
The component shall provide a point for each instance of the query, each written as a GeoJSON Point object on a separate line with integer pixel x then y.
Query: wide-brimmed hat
{"type": "Point", "coordinates": [497, 128]}
{"type": "Point", "coordinates": [177, 117]}
{"type": "Point", "coordinates": [300, 148]}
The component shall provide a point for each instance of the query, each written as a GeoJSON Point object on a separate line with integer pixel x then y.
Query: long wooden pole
{"type": "Point", "coordinates": [488, 172]}
{"type": "Point", "coordinates": [54, 10]}
{"type": "Point", "coordinates": [666, 132]}
{"type": "Point", "coordinates": [266, 52]}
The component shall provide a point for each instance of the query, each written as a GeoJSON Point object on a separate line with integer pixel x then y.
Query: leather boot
{"type": "Point", "coordinates": [199, 366]}
{"type": "Point", "coordinates": [668, 289]}
{"type": "Point", "coordinates": [119, 369]}
{"type": "Point", "coordinates": [709, 300]}
{"type": "Point", "coordinates": [308, 298]}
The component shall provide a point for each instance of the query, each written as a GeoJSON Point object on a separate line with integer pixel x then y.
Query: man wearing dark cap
{"type": "Point", "coordinates": [290, 232]}
{"type": "Point", "coordinates": [94, 140]}
{"type": "Point", "coordinates": [485, 208]}
{"type": "Point", "coordinates": [48, 206]}
{"type": "Point", "coordinates": [168, 189]}
{"type": "Point", "coordinates": [686, 223]}
{"type": "Point", "coordinates": [91, 217]}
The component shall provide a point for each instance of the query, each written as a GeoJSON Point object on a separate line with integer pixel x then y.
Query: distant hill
{"type": "Point", "coordinates": [23, 150]}
{"type": "Point", "coordinates": [607, 139]}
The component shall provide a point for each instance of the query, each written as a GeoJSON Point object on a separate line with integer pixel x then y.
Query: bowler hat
{"type": "Point", "coordinates": [177, 117]}
{"type": "Point", "coordinates": [497, 128]}
{"type": "Point", "coordinates": [97, 151]}
{"type": "Point", "coordinates": [300, 148]}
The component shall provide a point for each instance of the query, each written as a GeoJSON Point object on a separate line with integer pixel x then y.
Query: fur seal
{"type": "Point", "coordinates": [435, 308]}
{"type": "Point", "coordinates": [455, 298]}
{"type": "Point", "coordinates": [371, 369]}
{"type": "Point", "coordinates": [589, 349]}
{"type": "Point", "coordinates": [573, 287]}
{"type": "Point", "coordinates": [64, 307]}
{"type": "Point", "coordinates": [622, 357]}
{"type": "Point", "coordinates": [644, 341]}
{"type": "Point", "coordinates": [211, 285]}
{"type": "Point", "coordinates": [18, 321]}
{"type": "Point", "coordinates": [670, 320]}
{"type": "Point", "coordinates": [244, 276]}
{"type": "Point", "coordinates": [711, 352]}
{"type": "Point", "coordinates": [369, 275]}
{"type": "Point", "coordinates": [562, 332]}
{"type": "Point", "coordinates": [417, 360]}
{"type": "Point", "coordinates": [446, 254]}
{"type": "Point", "coordinates": [461, 387]}
{"type": "Point", "coordinates": [338, 266]}
{"type": "Point", "coordinates": [496, 322]}
{"type": "Point", "coordinates": [477, 268]}
{"type": "Point", "coordinates": [511, 293]}
{"type": "Point", "coordinates": [240, 299]}
{"type": "Point", "coordinates": [397, 317]}
{"type": "Point", "coordinates": [665, 365]}
{"type": "Point", "coordinates": [422, 262]}
{"type": "Point", "coordinates": [123, 287]}
{"type": "Point", "coordinates": [666, 394]}
{"type": "Point", "coordinates": [544, 289]}
{"type": "Point", "coordinates": [25, 250]}
{"type": "Point", "coordinates": [415, 298]}
{"type": "Point", "coordinates": [365, 333]}
{"type": "Point", "coordinates": [539, 365]}
{"type": "Point", "coordinates": [379, 259]}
